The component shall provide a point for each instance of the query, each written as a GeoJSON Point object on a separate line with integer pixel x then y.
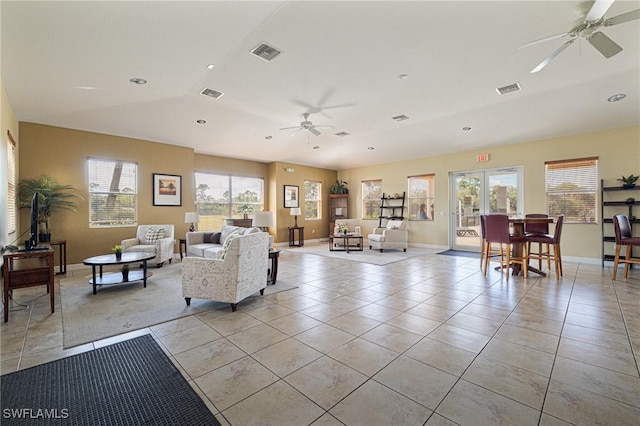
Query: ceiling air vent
{"type": "Point", "coordinates": [508, 89]}
{"type": "Point", "coordinates": [400, 117]}
{"type": "Point", "coordinates": [266, 52]}
{"type": "Point", "coordinates": [211, 93]}
{"type": "Point", "coordinates": [342, 134]}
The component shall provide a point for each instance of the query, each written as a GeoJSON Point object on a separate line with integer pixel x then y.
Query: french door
{"type": "Point", "coordinates": [481, 192]}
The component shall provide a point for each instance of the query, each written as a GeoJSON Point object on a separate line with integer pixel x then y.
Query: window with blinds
{"type": "Point", "coordinates": [371, 198]}
{"type": "Point", "coordinates": [571, 188]}
{"type": "Point", "coordinates": [113, 193]}
{"type": "Point", "coordinates": [12, 214]}
{"type": "Point", "coordinates": [421, 196]}
{"type": "Point", "coordinates": [312, 200]}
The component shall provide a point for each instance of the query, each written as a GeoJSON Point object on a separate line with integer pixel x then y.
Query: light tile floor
{"type": "Point", "coordinates": [427, 340]}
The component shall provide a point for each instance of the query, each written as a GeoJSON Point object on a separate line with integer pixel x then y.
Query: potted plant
{"type": "Point", "coordinates": [53, 198]}
{"type": "Point", "coordinates": [117, 249]}
{"type": "Point", "coordinates": [629, 181]}
{"type": "Point", "coordinates": [340, 187]}
{"type": "Point", "coordinates": [245, 209]}
{"type": "Point", "coordinates": [125, 273]}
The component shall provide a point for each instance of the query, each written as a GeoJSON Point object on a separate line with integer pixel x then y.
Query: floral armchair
{"type": "Point", "coordinates": [239, 272]}
{"type": "Point", "coordinates": [156, 239]}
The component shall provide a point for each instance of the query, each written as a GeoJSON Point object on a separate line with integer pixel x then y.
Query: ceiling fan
{"type": "Point", "coordinates": [306, 125]}
{"type": "Point", "coordinates": [587, 31]}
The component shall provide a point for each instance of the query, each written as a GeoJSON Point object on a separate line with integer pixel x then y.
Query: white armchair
{"type": "Point", "coordinates": [237, 274]}
{"type": "Point", "coordinates": [156, 239]}
{"type": "Point", "coordinates": [394, 235]}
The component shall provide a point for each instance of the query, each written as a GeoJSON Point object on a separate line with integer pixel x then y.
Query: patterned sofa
{"type": "Point", "coordinates": [239, 271]}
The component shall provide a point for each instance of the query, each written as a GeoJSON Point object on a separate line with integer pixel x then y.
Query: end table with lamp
{"type": "Point", "coordinates": [295, 212]}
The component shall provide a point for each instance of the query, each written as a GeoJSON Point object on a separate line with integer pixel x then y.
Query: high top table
{"type": "Point", "coordinates": [518, 230]}
{"type": "Point", "coordinates": [117, 277]}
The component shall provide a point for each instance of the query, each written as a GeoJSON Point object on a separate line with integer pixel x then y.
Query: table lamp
{"type": "Point", "coordinates": [262, 220]}
{"type": "Point", "coordinates": [295, 212]}
{"type": "Point", "coordinates": [192, 218]}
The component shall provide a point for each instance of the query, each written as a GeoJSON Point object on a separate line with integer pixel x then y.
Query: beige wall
{"type": "Point", "coordinates": [8, 123]}
{"type": "Point", "coordinates": [618, 151]}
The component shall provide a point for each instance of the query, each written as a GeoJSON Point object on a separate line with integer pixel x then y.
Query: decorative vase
{"type": "Point", "coordinates": [629, 185]}
{"type": "Point", "coordinates": [125, 276]}
{"type": "Point", "coordinates": [119, 256]}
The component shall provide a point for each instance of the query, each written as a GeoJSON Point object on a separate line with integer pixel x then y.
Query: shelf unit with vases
{"type": "Point", "coordinates": [391, 208]}
{"type": "Point", "coordinates": [616, 200]}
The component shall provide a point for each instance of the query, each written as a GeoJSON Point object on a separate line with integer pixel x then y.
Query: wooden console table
{"type": "Point", "coordinates": [62, 247]}
{"type": "Point", "coordinates": [244, 223]}
{"type": "Point", "coordinates": [27, 269]}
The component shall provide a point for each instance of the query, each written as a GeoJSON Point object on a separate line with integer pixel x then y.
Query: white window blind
{"type": "Point", "coordinates": [113, 193]}
{"type": "Point", "coordinates": [312, 200]}
{"type": "Point", "coordinates": [421, 196]}
{"type": "Point", "coordinates": [371, 198]}
{"type": "Point", "coordinates": [571, 188]}
{"type": "Point", "coordinates": [11, 185]}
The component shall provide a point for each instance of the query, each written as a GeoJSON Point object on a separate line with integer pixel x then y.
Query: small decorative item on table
{"type": "Point", "coordinates": [125, 273]}
{"type": "Point", "coordinates": [117, 250]}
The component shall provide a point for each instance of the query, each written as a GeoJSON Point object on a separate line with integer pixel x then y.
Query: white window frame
{"type": "Point", "coordinates": [371, 198]}
{"type": "Point", "coordinates": [418, 195]}
{"type": "Point", "coordinates": [125, 197]}
{"type": "Point", "coordinates": [313, 199]}
{"type": "Point", "coordinates": [12, 186]}
{"type": "Point", "coordinates": [582, 174]}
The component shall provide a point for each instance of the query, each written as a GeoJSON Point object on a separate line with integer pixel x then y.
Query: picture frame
{"type": "Point", "coordinates": [291, 196]}
{"type": "Point", "coordinates": [167, 190]}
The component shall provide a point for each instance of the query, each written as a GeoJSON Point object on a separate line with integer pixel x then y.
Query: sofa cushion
{"type": "Point", "coordinates": [212, 237]}
{"type": "Point", "coordinates": [226, 230]}
{"type": "Point", "coordinates": [227, 242]}
{"type": "Point", "coordinates": [153, 235]}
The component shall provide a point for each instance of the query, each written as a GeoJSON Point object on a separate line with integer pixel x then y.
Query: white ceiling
{"type": "Point", "coordinates": [341, 62]}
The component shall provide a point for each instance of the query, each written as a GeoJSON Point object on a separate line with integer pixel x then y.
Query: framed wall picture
{"type": "Point", "coordinates": [291, 196]}
{"type": "Point", "coordinates": [167, 190]}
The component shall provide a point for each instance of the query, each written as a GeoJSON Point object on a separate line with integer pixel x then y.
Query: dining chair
{"type": "Point", "coordinates": [549, 240]}
{"type": "Point", "coordinates": [624, 237]}
{"type": "Point", "coordinates": [497, 232]}
{"type": "Point", "coordinates": [533, 229]}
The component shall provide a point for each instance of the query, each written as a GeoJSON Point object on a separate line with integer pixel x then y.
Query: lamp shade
{"type": "Point", "coordinates": [190, 217]}
{"type": "Point", "coordinates": [296, 211]}
{"type": "Point", "coordinates": [262, 219]}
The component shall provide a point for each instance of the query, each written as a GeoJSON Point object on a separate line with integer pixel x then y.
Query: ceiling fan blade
{"type": "Point", "coordinates": [323, 125]}
{"type": "Point", "coordinates": [542, 40]}
{"type": "Point", "coordinates": [314, 131]}
{"type": "Point", "coordinates": [295, 131]}
{"type": "Point", "coordinates": [621, 19]}
{"type": "Point", "coordinates": [598, 10]}
{"type": "Point", "coordinates": [289, 128]}
{"type": "Point", "coordinates": [549, 58]}
{"type": "Point", "coordinates": [604, 44]}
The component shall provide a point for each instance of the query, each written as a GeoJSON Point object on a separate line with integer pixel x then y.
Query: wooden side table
{"type": "Point", "coordinates": [183, 243]}
{"type": "Point", "coordinates": [62, 248]}
{"type": "Point", "coordinates": [274, 254]}
{"type": "Point", "coordinates": [292, 236]}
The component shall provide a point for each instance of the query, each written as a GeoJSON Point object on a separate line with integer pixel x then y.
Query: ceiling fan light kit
{"type": "Point", "coordinates": [587, 31]}
{"type": "Point", "coordinates": [307, 125]}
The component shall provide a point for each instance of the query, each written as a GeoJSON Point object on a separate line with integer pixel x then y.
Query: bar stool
{"type": "Point", "coordinates": [497, 231]}
{"type": "Point", "coordinates": [624, 237]}
{"type": "Point", "coordinates": [535, 229]}
{"type": "Point", "coordinates": [549, 240]}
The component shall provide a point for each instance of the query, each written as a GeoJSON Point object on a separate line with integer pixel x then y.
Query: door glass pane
{"type": "Point", "coordinates": [467, 212]}
{"type": "Point", "coordinates": [503, 193]}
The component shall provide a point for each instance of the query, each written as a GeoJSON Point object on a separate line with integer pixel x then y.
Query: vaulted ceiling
{"type": "Point", "coordinates": [351, 65]}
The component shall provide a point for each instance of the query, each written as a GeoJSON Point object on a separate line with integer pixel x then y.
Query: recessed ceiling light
{"type": "Point", "coordinates": [400, 117]}
{"type": "Point", "coordinates": [370, 148]}
{"type": "Point", "coordinates": [616, 98]}
{"type": "Point", "coordinates": [403, 76]}
{"type": "Point", "coordinates": [268, 137]}
{"type": "Point", "coordinates": [201, 121]}
{"type": "Point", "coordinates": [466, 129]}
{"type": "Point", "coordinates": [137, 80]}
{"type": "Point", "coordinates": [210, 66]}
{"type": "Point", "coordinates": [316, 147]}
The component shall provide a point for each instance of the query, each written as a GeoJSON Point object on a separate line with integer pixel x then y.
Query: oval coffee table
{"type": "Point", "coordinates": [116, 277]}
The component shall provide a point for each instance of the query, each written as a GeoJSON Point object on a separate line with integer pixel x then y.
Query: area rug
{"type": "Point", "coordinates": [460, 254]}
{"type": "Point", "coordinates": [122, 308]}
{"type": "Point", "coordinates": [128, 383]}
{"type": "Point", "coordinates": [366, 256]}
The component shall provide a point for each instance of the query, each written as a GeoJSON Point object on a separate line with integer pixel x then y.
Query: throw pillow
{"type": "Point", "coordinates": [211, 237]}
{"type": "Point", "coordinates": [154, 235]}
{"type": "Point", "coordinates": [342, 227]}
{"type": "Point", "coordinates": [395, 224]}
{"type": "Point", "coordinates": [227, 242]}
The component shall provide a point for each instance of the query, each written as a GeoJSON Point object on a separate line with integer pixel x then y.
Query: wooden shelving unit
{"type": "Point", "coordinates": [338, 209]}
{"type": "Point", "coordinates": [613, 201]}
{"type": "Point", "coordinates": [391, 208]}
